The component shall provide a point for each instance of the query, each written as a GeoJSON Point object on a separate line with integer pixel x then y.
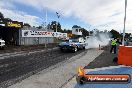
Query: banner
{"type": "Point", "coordinates": [31, 33]}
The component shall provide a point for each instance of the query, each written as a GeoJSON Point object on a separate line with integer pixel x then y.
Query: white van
{"type": "Point", "coordinates": [2, 44]}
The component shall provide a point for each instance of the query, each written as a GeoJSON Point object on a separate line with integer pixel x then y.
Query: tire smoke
{"type": "Point", "coordinates": [98, 39]}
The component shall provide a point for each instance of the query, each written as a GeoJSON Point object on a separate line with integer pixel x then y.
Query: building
{"type": "Point", "coordinates": [76, 31]}
{"type": "Point", "coordinates": [15, 33]}
{"type": "Point", "coordinates": [13, 36]}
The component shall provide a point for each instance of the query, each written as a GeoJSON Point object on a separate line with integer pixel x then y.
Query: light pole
{"type": "Point", "coordinates": [56, 26]}
{"type": "Point", "coordinates": [46, 27]}
{"type": "Point", "coordinates": [58, 16]}
{"type": "Point", "coordinates": [124, 22]}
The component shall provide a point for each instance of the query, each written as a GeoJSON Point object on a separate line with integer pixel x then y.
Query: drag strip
{"type": "Point", "coordinates": [16, 68]}
{"type": "Point", "coordinates": [58, 75]}
{"type": "Point", "coordinates": [7, 55]}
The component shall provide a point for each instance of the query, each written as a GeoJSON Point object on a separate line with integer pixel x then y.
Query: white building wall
{"type": "Point", "coordinates": [76, 31]}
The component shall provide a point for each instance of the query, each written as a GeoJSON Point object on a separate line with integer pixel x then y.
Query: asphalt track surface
{"type": "Point", "coordinates": [103, 60]}
{"type": "Point", "coordinates": [14, 69]}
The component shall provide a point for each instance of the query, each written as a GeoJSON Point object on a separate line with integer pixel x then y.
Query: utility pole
{"type": "Point", "coordinates": [124, 23]}
{"type": "Point", "coordinates": [46, 27]}
{"type": "Point", "coordinates": [58, 16]}
{"type": "Point", "coordinates": [56, 26]}
{"type": "Point", "coordinates": [46, 20]}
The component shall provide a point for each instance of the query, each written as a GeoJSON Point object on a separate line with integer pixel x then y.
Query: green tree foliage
{"type": "Point", "coordinates": [84, 32]}
{"type": "Point", "coordinates": [39, 27]}
{"type": "Point", "coordinates": [7, 20]}
{"type": "Point", "coordinates": [115, 34]}
{"type": "Point", "coordinates": [76, 26]}
{"type": "Point", "coordinates": [1, 16]}
{"type": "Point", "coordinates": [27, 25]}
{"type": "Point", "coordinates": [127, 35]}
{"type": "Point", "coordinates": [49, 26]}
{"type": "Point", "coordinates": [53, 26]}
{"type": "Point", "coordinates": [67, 31]}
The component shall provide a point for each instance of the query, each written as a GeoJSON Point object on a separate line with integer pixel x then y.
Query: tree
{"type": "Point", "coordinates": [84, 32]}
{"type": "Point", "coordinates": [115, 34]}
{"type": "Point", "coordinates": [53, 26]}
{"type": "Point", "coordinates": [1, 16]}
{"type": "Point", "coordinates": [127, 35]}
{"type": "Point", "coordinates": [39, 27]}
{"type": "Point", "coordinates": [67, 31]}
{"type": "Point", "coordinates": [27, 25]}
{"type": "Point", "coordinates": [76, 26]}
{"type": "Point", "coordinates": [49, 26]}
{"type": "Point", "coordinates": [91, 32]}
{"type": "Point", "coordinates": [5, 20]}
{"type": "Point", "coordinates": [64, 31]}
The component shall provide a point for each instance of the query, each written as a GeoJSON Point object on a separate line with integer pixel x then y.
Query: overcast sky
{"type": "Point", "coordinates": [89, 14]}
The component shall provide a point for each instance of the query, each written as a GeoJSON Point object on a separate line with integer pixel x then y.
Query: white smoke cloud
{"type": "Point", "coordinates": [101, 38]}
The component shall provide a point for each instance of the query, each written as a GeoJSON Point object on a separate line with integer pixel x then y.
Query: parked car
{"type": "Point", "coordinates": [71, 45]}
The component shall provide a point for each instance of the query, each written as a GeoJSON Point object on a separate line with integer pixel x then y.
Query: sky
{"type": "Point", "coordinates": [89, 14]}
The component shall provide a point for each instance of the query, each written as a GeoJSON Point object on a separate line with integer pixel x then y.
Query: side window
{"type": "Point", "coordinates": [76, 30]}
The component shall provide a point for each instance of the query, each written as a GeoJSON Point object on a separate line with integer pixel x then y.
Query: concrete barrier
{"type": "Point", "coordinates": [125, 55]}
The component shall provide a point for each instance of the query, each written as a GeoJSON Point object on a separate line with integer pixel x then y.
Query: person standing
{"type": "Point", "coordinates": [113, 45]}
{"type": "Point", "coordinates": [127, 43]}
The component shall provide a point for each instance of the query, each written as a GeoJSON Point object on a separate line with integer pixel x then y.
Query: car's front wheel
{"type": "Point", "coordinates": [84, 47]}
{"type": "Point", "coordinates": [62, 50]}
{"type": "Point", "coordinates": [75, 49]}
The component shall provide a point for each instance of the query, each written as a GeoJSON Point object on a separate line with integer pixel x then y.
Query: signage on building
{"type": "Point", "coordinates": [14, 24]}
{"type": "Point", "coordinates": [31, 33]}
